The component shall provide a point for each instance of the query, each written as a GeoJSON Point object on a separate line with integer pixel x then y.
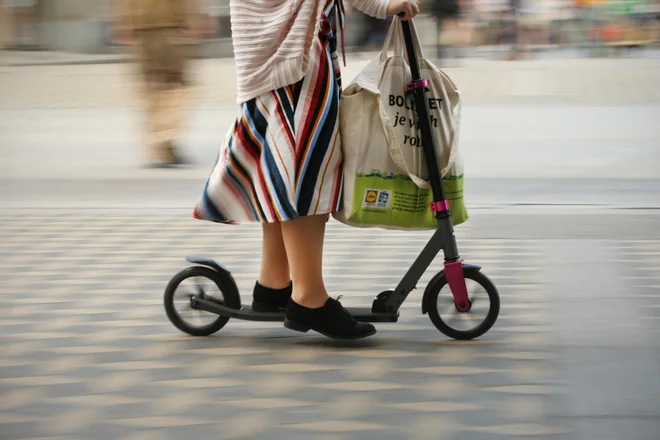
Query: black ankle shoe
{"type": "Point", "coordinates": [265, 299]}
{"type": "Point", "coordinates": [331, 320]}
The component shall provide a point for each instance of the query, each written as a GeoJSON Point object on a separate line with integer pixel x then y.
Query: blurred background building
{"type": "Point", "coordinates": [481, 26]}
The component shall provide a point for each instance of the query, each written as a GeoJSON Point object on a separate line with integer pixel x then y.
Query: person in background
{"type": "Point", "coordinates": [446, 14]}
{"type": "Point", "coordinates": [592, 17]}
{"type": "Point", "coordinates": [6, 30]}
{"type": "Point", "coordinates": [513, 29]}
{"type": "Point", "coordinates": [162, 31]}
{"type": "Point", "coordinates": [19, 23]}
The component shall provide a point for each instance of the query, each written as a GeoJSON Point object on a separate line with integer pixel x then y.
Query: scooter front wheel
{"type": "Point", "coordinates": [192, 282]}
{"type": "Point", "coordinates": [481, 316]}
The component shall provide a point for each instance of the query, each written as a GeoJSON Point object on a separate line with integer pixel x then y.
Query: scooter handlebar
{"type": "Point", "coordinates": [410, 48]}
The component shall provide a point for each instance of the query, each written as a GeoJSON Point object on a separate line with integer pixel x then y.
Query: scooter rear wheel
{"type": "Point", "coordinates": [210, 284]}
{"type": "Point", "coordinates": [446, 317]}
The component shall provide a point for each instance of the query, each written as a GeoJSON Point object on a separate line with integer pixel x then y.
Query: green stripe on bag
{"type": "Point", "coordinates": [394, 200]}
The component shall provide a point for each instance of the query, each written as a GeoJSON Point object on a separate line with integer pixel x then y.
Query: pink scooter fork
{"type": "Point", "coordinates": [454, 269]}
{"type": "Point", "coordinates": [456, 281]}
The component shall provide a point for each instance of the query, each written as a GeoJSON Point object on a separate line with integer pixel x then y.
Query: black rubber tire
{"type": "Point", "coordinates": [231, 299]}
{"type": "Point", "coordinates": [491, 317]}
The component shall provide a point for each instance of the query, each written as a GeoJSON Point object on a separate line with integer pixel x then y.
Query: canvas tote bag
{"type": "Point", "coordinates": [386, 181]}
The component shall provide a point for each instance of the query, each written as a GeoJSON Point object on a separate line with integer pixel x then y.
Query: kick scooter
{"type": "Point", "coordinates": [456, 303]}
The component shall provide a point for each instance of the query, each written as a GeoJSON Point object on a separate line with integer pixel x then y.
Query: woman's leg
{"type": "Point", "coordinates": [303, 238]}
{"type": "Point", "coordinates": [273, 288]}
{"type": "Point", "coordinates": [274, 270]}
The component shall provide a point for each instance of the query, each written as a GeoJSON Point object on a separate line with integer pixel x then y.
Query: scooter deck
{"type": "Point", "coordinates": [363, 314]}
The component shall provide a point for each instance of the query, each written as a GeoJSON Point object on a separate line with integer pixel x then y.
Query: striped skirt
{"type": "Point", "coordinates": [283, 159]}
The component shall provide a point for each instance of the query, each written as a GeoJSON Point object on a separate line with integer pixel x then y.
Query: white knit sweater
{"type": "Point", "coordinates": [272, 40]}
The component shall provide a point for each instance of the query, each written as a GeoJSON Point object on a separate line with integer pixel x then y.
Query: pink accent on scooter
{"type": "Point", "coordinates": [439, 206]}
{"type": "Point", "coordinates": [456, 281]}
{"type": "Point", "coordinates": [417, 84]}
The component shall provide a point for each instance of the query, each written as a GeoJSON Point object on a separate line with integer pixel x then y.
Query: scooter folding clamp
{"type": "Point", "coordinates": [440, 206]}
{"type": "Point", "coordinates": [419, 84]}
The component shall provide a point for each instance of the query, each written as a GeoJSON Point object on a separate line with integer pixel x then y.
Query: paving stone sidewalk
{"type": "Point", "coordinates": [88, 351]}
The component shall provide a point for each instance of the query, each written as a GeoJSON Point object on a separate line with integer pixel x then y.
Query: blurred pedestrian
{"type": "Point", "coordinates": [281, 164]}
{"type": "Point", "coordinates": [6, 31]}
{"type": "Point", "coordinates": [162, 31]}
{"type": "Point", "coordinates": [446, 14]}
{"type": "Point", "coordinates": [513, 29]}
{"type": "Point", "coordinates": [592, 17]}
{"type": "Point", "coordinates": [19, 22]}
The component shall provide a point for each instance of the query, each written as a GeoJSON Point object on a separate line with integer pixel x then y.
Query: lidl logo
{"type": "Point", "coordinates": [377, 198]}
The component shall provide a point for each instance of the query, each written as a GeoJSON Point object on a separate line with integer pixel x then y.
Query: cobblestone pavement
{"type": "Point", "coordinates": [611, 81]}
{"type": "Point", "coordinates": [87, 352]}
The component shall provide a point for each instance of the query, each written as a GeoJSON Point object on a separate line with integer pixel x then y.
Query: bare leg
{"type": "Point", "coordinates": [274, 271]}
{"type": "Point", "coordinates": [303, 239]}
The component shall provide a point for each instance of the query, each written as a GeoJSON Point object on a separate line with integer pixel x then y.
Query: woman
{"type": "Point", "coordinates": [281, 163]}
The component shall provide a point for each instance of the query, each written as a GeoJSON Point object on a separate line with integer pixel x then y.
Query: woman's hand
{"type": "Point", "coordinates": [407, 8]}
